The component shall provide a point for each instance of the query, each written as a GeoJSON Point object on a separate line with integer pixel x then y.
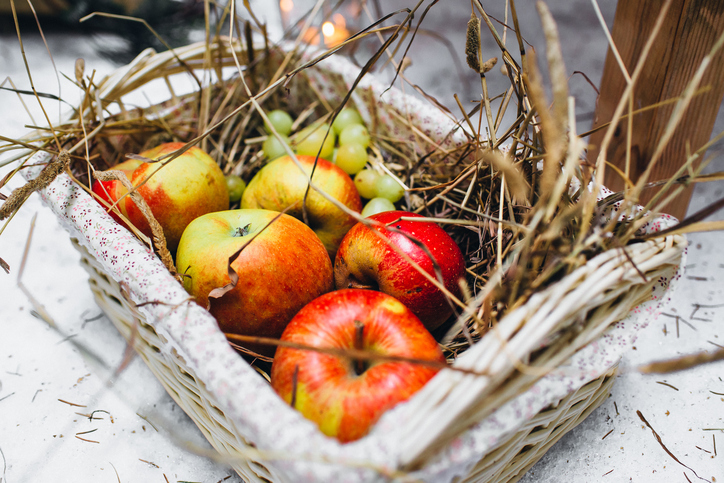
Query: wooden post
{"type": "Point", "coordinates": [690, 30]}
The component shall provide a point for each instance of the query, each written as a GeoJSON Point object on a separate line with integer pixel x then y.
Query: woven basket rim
{"type": "Point", "coordinates": [381, 447]}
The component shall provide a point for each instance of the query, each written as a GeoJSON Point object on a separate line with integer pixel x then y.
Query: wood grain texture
{"type": "Point", "coordinates": [690, 30]}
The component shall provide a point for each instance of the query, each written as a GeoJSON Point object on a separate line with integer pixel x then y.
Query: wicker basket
{"type": "Point", "coordinates": [460, 426]}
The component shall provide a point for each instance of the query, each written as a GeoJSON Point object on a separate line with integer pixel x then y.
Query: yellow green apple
{"type": "Point", "coordinates": [282, 267]}
{"type": "Point", "coordinates": [281, 185]}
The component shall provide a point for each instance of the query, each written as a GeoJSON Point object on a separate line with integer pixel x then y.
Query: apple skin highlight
{"type": "Point", "coordinates": [366, 260]}
{"type": "Point", "coordinates": [329, 391]}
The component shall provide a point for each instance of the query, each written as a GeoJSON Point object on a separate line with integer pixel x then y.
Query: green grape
{"type": "Point", "coordinates": [310, 139]}
{"type": "Point", "coordinates": [351, 158]}
{"type": "Point", "coordinates": [281, 121]}
{"type": "Point", "coordinates": [346, 117]}
{"type": "Point", "coordinates": [387, 187]}
{"type": "Point", "coordinates": [365, 183]}
{"type": "Point", "coordinates": [236, 187]}
{"type": "Point", "coordinates": [273, 148]}
{"type": "Point", "coordinates": [377, 205]}
{"type": "Point", "coordinates": [355, 134]}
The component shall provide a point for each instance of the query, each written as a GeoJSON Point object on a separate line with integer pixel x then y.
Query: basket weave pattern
{"type": "Point", "coordinates": [489, 427]}
{"type": "Point", "coordinates": [505, 462]}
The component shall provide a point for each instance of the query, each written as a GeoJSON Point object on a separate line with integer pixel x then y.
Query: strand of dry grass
{"type": "Point", "coordinates": [159, 239]}
{"type": "Point", "coordinates": [682, 363]}
{"type": "Point", "coordinates": [535, 253]}
{"type": "Point", "coordinates": [488, 192]}
{"type": "Point", "coordinates": [47, 176]}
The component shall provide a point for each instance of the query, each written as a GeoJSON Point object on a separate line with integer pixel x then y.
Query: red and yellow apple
{"type": "Point", "coordinates": [179, 191]}
{"type": "Point", "coordinates": [344, 396]}
{"type": "Point", "coordinates": [282, 267]}
{"type": "Point", "coordinates": [111, 191]}
{"type": "Point", "coordinates": [366, 260]}
{"type": "Point", "coordinates": [281, 184]}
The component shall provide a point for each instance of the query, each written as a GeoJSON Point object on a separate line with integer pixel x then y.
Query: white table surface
{"type": "Point", "coordinates": [49, 383]}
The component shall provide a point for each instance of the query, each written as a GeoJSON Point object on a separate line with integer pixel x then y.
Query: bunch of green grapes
{"type": "Point", "coordinates": [382, 191]}
{"type": "Point", "coordinates": [347, 130]}
{"type": "Point", "coordinates": [282, 122]}
{"type": "Point", "coordinates": [351, 138]}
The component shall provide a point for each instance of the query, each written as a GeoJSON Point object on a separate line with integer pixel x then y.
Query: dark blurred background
{"type": "Point", "coordinates": [173, 20]}
{"type": "Point", "coordinates": [437, 60]}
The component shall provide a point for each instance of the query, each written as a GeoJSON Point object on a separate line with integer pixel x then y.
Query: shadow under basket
{"type": "Point", "coordinates": [544, 367]}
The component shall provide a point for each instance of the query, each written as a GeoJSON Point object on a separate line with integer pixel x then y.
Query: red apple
{"type": "Point", "coordinates": [346, 397]}
{"type": "Point", "coordinates": [186, 187]}
{"type": "Point", "coordinates": [366, 260]}
{"type": "Point", "coordinates": [111, 191]}
{"type": "Point", "coordinates": [282, 268]}
{"type": "Point", "coordinates": [280, 184]}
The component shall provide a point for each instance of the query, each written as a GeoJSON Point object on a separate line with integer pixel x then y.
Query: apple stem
{"type": "Point", "coordinates": [295, 378]}
{"type": "Point", "coordinates": [359, 328]}
{"type": "Point", "coordinates": [354, 283]}
{"type": "Point", "coordinates": [242, 231]}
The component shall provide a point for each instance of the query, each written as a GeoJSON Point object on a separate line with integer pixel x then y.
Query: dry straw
{"type": "Point", "coordinates": [550, 267]}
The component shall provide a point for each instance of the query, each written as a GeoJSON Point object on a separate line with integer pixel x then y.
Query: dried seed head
{"type": "Point", "coordinates": [47, 176]}
{"type": "Point", "coordinates": [488, 65]}
{"type": "Point", "coordinates": [472, 44]}
{"type": "Point", "coordinates": [79, 70]}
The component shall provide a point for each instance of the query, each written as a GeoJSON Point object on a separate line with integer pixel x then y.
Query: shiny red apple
{"type": "Point", "coordinates": [366, 260]}
{"type": "Point", "coordinates": [282, 267]}
{"type": "Point", "coordinates": [342, 395]}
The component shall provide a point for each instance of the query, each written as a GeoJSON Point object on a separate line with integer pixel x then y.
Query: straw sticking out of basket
{"type": "Point", "coordinates": [551, 267]}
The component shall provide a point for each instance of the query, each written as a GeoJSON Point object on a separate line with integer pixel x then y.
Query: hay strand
{"type": "Point", "coordinates": [159, 239]}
